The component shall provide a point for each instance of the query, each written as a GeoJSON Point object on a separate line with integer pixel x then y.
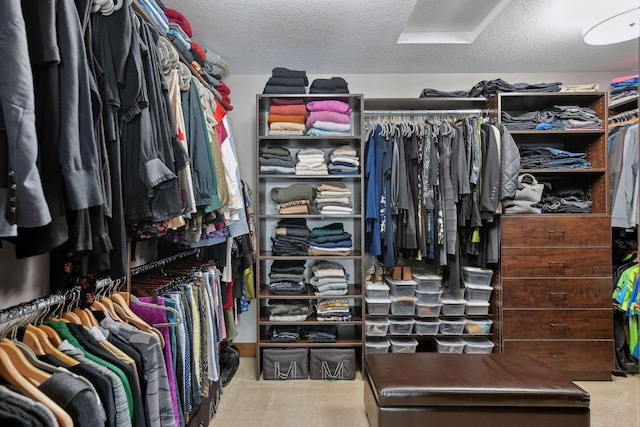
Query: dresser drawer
{"type": "Point", "coordinates": [556, 262]}
{"type": "Point", "coordinates": [557, 324]}
{"type": "Point", "coordinates": [545, 230]}
{"type": "Point", "coordinates": [566, 355]}
{"type": "Point", "coordinates": [556, 293]}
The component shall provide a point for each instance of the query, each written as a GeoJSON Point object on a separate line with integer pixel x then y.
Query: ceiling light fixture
{"type": "Point", "coordinates": [615, 29]}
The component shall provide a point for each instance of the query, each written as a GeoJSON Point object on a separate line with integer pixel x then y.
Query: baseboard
{"type": "Point", "coordinates": [246, 349]}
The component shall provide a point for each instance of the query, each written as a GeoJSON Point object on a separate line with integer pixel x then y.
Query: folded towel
{"type": "Point", "coordinates": [285, 72]}
{"type": "Point", "coordinates": [284, 90]}
{"type": "Point", "coordinates": [298, 110]}
{"type": "Point", "coordinates": [340, 127]}
{"type": "Point", "coordinates": [329, 105]}
{"type": "Point", "coordinates": [285, 118]}
{"type": "Point", "coordinates": [299, 127]}
{"type": "Point", "coordinates": [327, 116]}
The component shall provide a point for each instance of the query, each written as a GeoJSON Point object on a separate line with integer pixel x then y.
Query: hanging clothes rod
{"type": "Point", "coordinates": [37, 305]}
{"type": "Point", "coordinates": [423, 112]}
{"type": "Point", "coordinates": [154, 265]}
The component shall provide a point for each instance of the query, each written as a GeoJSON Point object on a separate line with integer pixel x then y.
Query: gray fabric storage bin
{"type": "Point", "coordinates": [332, 364]}
{"type": "Point", "coordinates": [285, 364]}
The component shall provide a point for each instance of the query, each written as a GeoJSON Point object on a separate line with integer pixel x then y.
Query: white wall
{"type": "Point", "coordinates": [243, 116]}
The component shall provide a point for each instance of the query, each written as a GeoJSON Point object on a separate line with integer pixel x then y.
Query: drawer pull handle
{"type": "Point", "coordinates": [557, 264]}
{"type": "Point", "coordinates": [552, 232]}
{"type": "Point", "coordinates": [558, 325]}
{"type": "Point", "coordinates": [558, 295]}
{"type": "Point", "coordinates": [559, 356]}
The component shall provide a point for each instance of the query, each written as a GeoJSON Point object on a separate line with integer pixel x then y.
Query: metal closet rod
{"type": "Point", "coordinates": [425, 112]}
{"type": "Point", "coordinates": [153, 265]}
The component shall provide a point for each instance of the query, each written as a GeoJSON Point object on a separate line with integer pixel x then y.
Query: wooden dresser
{"type": "Point", "coordinates": [556, 280]}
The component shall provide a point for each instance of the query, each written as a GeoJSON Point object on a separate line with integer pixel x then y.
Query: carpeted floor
{"type": "Point", "coordinates": [248, 402]}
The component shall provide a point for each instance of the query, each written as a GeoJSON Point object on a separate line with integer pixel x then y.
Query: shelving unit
{"type": "Point", "coordinates": [555, 270]}
{"type": "Point", "coordinates": [349, 333]}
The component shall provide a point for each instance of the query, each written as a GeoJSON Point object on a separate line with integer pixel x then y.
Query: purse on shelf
{"type": "Point", "coordinates": [528, 195]}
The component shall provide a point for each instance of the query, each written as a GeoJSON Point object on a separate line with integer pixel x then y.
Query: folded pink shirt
{"type": "Point", "coordinates": [329, 105]}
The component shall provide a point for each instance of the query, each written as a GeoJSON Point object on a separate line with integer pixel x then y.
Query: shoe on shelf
{"type": "Point", "coordinates": [406, 273]}
{"type": "Point", "coordinates": [371, 271]}
{"type": "Point", "coordinates": [379, 275]}
{"type": "Point", "coordinates": [396, 273]}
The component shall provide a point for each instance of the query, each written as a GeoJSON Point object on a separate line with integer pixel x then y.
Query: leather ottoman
{"type": "Point", "coordinates": [469, 390]}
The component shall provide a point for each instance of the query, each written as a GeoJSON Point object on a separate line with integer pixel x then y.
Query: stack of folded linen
{"type": "Point", "coordinates": [332, 85]}
{"type": "Point", "coordinates": [329, 117]}
{"type": "Point", "coordinates": [333, 310]}
{"type": "Point", "coordinates": [320, 333]}
{"type": "Point", "coordinates": [287, 276]}
{"type": "Point", "coordinates": [286, 81]}
{"type": "Point", "coordinates": [296, 199]}
{"type": "Point", "coordinates": [287, 117]}
{"type": "Point", "coordinates": [333, 198]}
{"type": "Point", "coordinates": [329, 279]}
{"type": "Point", "coordinates": [288, 310]}
{"type": "Point", "coordinates": [344, 161]}
{"type": "Point", "coordinates": [292, 237]}
{"type": "Point", "coordinates": [311, 162]}
{"type": "Point", "coordinates": [276, 160]}
{"type": "Point", "coordinates": [330, 240]}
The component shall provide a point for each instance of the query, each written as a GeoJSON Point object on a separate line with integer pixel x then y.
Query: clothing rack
{"type": "Point", "coordinates": [624, 115]}
{"type": "Point", "coordinates": [424, 112]}
{"type": "Point", "coordinates": [154, 265]}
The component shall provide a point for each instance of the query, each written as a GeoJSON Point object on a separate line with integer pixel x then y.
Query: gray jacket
{"type": "Point", "coordinates": [510, 164]}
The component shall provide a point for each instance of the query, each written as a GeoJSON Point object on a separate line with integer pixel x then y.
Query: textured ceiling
{"type": "Point", "coordinates": [359, 37]}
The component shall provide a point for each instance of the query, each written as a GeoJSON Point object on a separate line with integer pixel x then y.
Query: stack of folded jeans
{"type": "Point", "coordinates": [566, 204]}
{"type": "Point", "coordinates": [276, 160]}
{"type": "Point", "coordinates": [333, 198]}
{"type": "Point", "coordinates": [311, 161]}
{"type": "Point", "coordinates": [575, 117]}
{"type": "Point", "coordinates": [296, 199]}
{"type": "Point", "coordinates": [285, 81]}
{"type": "Point", "coordinates": [320, 333]}
{"type": "Point", "coordinates": [540, 157]}
{"type": "Point", "coordinates": [287, 277]}
{"type": "Point", "coordinates": [488, 88]}
{"type": "Point", "coordinates": [332, 85]}
{"type": "Point", "coordinates": [524, 121]}
{"type": "Point", "coordinates": [344, 161]}
{"type": "Point", "coordinates": [329, 279]}
{"type": "Point", "coordinates": [330, 240]}
{"type": "Point", "coordinates": [292, 237]}
{"type": "Point", "coordinates": [288, 310]}
{"type": "Point", "coordinates": [287, 117]}
{"type": "Point", "coordinates": [435, 93]}
{"type": "Point", "coordinates": [285, 333]}
{"type": "Point", "coordinates": [329, 117]}
{"type": "Point", "coordinates": [333, 310]}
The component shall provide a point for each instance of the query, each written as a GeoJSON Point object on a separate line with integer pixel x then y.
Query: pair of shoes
{"type": "Point", "coordinates": [396, 273]}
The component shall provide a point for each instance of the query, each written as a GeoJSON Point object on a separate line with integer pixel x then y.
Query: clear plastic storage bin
{"type": "Point", "coordinates": [426, 326]}
{"type": "Point", "coordinates": [428, 297]}
{"type": "Point", "coordinates": [400, 326]}
{"type": "Point", "coordinates": [376, 326]}
{"type": "Point", "coordinates": [478, 345]}
{"type": "Point", "coordinates": [376, 345]}
{"type": "Point", "coordinates": [428, 310]}
{"type": "Point", "coordinates": [451, 326]}
{"type": "Point", "coordinates": [376, 290]}
{"type": "Point", "coordinates": [427, 282]}
{"type": "Point", "coordinates": [478, 326]}
{"type": "Point", "coordinates": [476, 275]}
{"type": "Point", "coordinates": [403, 306]}
{"type": "Point", "coordinates": [477, 308]}
{"type": "Point", "coordinates": [453, 307]}
{"type": "Point", "coordinates": [378, 305]}
{"type": "Point", "coordinates": [449, 345]}
{"type": "Point", "coordinates": [477, 292]}
{"type": "Point", "coordinates": [401, 288]}
{"type": "Point", "coordinates": [403, 344]}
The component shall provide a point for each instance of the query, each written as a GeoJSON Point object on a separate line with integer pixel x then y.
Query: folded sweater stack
{"type": "Point", "coordinates": [287, 117]}
{"type": "Point", "coordinates": [333, 310]}
{"type": "Point", "coordinates": [332, 85]}
{"type": "Point", "coordinates": [333, 198]}
{"type": "Point", "coordinates": [330, 240]}
{"type": "Point", "coordinates": [296, 199]}
{"type": "Point", "coordinates": [276, 160]}
{"type": "Point", "coordinates": [344, 161]}
{"type": "Point", "coordinates": [286, 81]}
{"type": "Point", "coordinates": [310, 161]}
{"type": "Point", "coordinates": [287, 276]}
{"type": "Point", "coordinates": [292, 237]}
{"type": "Point", "coordinates": [329, 278]}
{"type": "Point", "coordinates": [329, 117]}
